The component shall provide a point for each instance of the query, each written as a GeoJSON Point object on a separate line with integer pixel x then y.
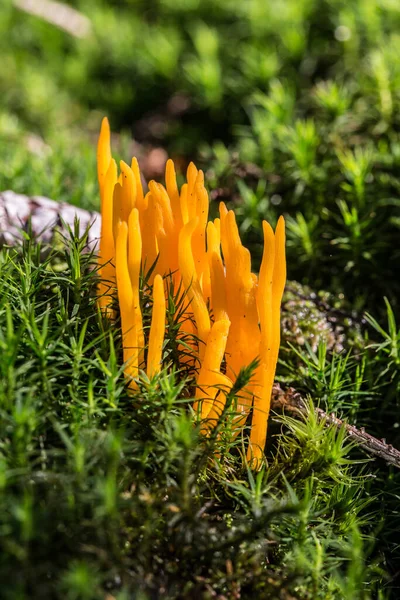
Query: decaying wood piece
{"type": "Point", "coordinates": [291, 401]}
{"type": "Point", "coordinates": [59, 14]}
{"type": "Point", "coordinates": [45, 217]}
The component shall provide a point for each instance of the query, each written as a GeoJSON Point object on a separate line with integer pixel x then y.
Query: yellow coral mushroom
{"type": "Point", "coordinates": [233, 314]}
{"type": "Point", "coordinates": [211, 365]}
{"type": "Point", "coordinates": [107, 244]}
{"type": "Point", "coordinates": [191, 281]}
{"type": "Point", "coordinates": [271, 284]}
{"type": "Point", "coordinates": [125, 298]}
{"type": "Point", "coordinates": [157, 329]}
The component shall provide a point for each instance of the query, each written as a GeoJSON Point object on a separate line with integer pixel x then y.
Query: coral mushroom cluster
{"type": "Point", "coordinates": [235, 315]}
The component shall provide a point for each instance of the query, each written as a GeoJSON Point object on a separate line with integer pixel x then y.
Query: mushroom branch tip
{"type": "Point", "coordinates": [159, 240]}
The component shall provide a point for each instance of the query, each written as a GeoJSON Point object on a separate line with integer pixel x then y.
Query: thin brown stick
{"type": "Point", "coordinates": [291, 401]}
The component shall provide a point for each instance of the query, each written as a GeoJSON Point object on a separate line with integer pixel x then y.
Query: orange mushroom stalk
{"type": "Point", "coordinates": [157, 329]}
{"type": "Point", "coordinates": [233, 314]}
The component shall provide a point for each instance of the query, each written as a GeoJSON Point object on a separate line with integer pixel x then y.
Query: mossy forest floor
{"type": "Point", "coordinates": [290, 107]}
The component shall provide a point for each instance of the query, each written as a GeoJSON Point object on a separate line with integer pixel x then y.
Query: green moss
{"type": "Point", "coordinates": [102, 491]}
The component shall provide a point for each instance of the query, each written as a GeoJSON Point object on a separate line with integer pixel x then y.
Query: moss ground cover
{"type": "Point", "coordinates": [100, 494]}
{"type": "Point", "coordinates": [290, 108]}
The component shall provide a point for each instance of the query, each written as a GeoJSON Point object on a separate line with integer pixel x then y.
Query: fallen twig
{"type": "Point", "coordinates": [291, 401]}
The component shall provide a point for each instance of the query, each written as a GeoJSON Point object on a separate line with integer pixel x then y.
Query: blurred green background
{"type": "Point", "coordinates": [291, 106]}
